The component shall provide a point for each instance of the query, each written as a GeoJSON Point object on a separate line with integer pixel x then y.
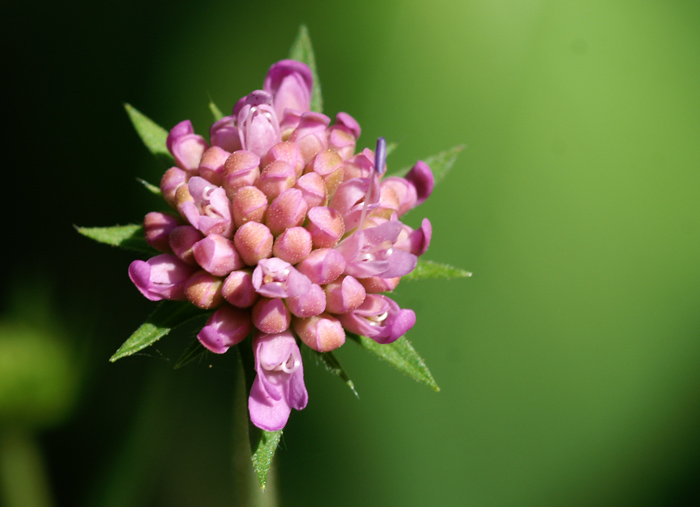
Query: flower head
{"type": "Point", "coordinates": [284, 233]}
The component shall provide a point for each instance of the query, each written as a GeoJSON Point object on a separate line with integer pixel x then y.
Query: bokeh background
{"type": "Point", "coordinates": [568, 363]}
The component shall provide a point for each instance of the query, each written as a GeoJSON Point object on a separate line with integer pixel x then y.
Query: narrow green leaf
{"type": "Point", "coordinates": [215, 111]}
{"type": "Point", "coordinates": [401, 355]}
{"type": "Point", "coordinates": [264, 452]}
{"type": "Point", "coordinates": [391, 147]}
{"type": "Point", "coordinates": [302, 51]}
{"type": "Point", "coordinates": [440, 164]}
{"type": "Point", "coordinates": [332, 364]}
{"type": "Point", "coordinates": [152, 135]}
{"type": "Point", "coordinates": [195, 351]}
{"type": "Point", "coordinates": [428, 269]}
{"type": "Point", "coordinates": [167, 316]}
{"type": "Point", "coordinates": [124, 236]}
{"type": "Point", "coordinates": [150, 187]}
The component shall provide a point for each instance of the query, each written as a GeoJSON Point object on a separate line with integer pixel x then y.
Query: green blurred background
{"type": "Point", "coordinates": [568, 363]}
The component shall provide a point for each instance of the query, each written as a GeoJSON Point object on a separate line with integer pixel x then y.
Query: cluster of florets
{"type": "Point", "coordinates": [286, 233]}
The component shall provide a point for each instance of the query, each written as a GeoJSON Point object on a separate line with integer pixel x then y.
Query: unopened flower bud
{"type": "Point", "coordinates": [271, 315]}
{"type": "Point", "coordinates": [224, 134]}
{"type": "Point", "coordinates": [313, 189]}
{"type": "Point", "coordinates": [258, 128]}
{"type": "Point", "coordinates": [422, 178]}
{"type": "Point", "coordinates": [341, 142]}
{"type": "Point", "coordinates": [204, 290]}
{"type": "Point", "coordinates": [329, 166]}
{"type": "Point", "coordinates": [405, 192]}
{"type": "Point", "coordinates": [290, 84]}
{"type": "Point", "coordinates": [322, 332]}
{"type": "Point", "coordinates": [286, 152]}
{"type": "Point", "coordinates": [388, 203]}
{"type": "Point", "coordinates": [326, 226]}
{"type": "Point", "coordinates": [211, 168]}
{"type": "Point", "coordinates": [344, 295]}
{"type": "Point", "coordinates": [348, 123]}
{"type": "Point", "coordinates": [276, 178]}
{"type": "Point", "coordinates": [186, 146]}
{"type": "Point", "coordinates": [161, 277]}
{"type": "Point", "coordinates": [310, 135]}
{"type": "Point", "coordinates": [311, 303]}
{"type": "Point", "coordinates": [293, 245]}
{"type": "Point", "coordinates": [181, 241]}
{"type": "Point", "coordinates": [253, 241]}
{"type": "Point", "coordinates": [173, 179]}
{"type": "Point", "coordinates": [322, 266]}
{"type": "Point", "coordinates": [157, 228]}
{"type": "Point", "coordinates": [359, 166]}
{"type": "Point", "coordinates": [241, 169]}
{"type": "Point", "coordinates": [217, 255]}
{"type": "Point", "coordinates": [226, 327]}
{"type": "Point", "coordinates": [376, 284]}
{"type": "Point", "coordinates": [249, 205]}
{"type": "Point", "coordinates": [287, 210]}
{"type": "Point", "coordinates": [238, 289]}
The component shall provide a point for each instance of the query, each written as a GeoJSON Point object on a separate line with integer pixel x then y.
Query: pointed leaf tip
{"type": "Point", "coordinates": [153, 135]}
{"type": "Point", "coordinates": [332, 365]}
{"type": "Point", "coordinates": [440, 164]}
{"type": "Point", "coordinates": [167, 316]}
{"type": "Point", "coordinates": [402, 356]}
{"type": "Point", "coordinates": [302, 51]}
{"type": "Point", "coordinates": [426, 269]}
{"type": "Point", "coordinates": [129, 237]}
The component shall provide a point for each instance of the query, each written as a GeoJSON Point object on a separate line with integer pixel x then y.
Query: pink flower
{"type": "Point", "coordinates": [290, 83]}
{"type": "Point", "coordinates": [161, 277]}
{"type": "Point", "coordinates": [279, 383]}
{"type": "Point", "coordinates": [379, 318]}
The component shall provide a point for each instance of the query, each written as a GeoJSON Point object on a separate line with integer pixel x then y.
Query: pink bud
{"type": "Point", "coordinates": [322, 332]}
{"type": "Point", "coordinates": [224, 134]}
{"type": "Point", "coordinates": [388, 203]}
{"type": "Point", "coordinates": [271, 316]}
{"type": "Point", "coordinates": [293, 245]}
{"type": "Point", "coordinates": [240, 170]}
{"type": "Point", "coordinates": [287, 210]}
{"type": "Point", "coordinates": [286, 152]}
{"type": "Point", "coordinates": [258, 128]}
{"type": "Point", "coordinates": [226, 327]}
{"type": "Point", "coordinates": [160, 277]}
{"type": "Point", "coordinates": [326, 226]}
{"type": "Point", "coordinates": [375, 284]}
{"type": "Point", "coordinates": [404, 190]}
{"type": "Point", "coordinates": [359, 166]}
{"type": "Point", "coordinates": [204, 290]}
{"type": "Point", "coordinates": [186, 146]}
{"type": "Point", "coordinates": [415, 242]}
{"type": "Point", "coordinates": [181, 241]}
{"type": "Point", "coordinates": [348, 123]}
{"type": "Point", "coordinates": [276, 178]}
{"type": "Point", "coordinates": [290, 84]}
{"type": "Point", "coordinates": [422, 178]}
{"type": "Point", "coordinates": [170, 182]}
{"type": "Point", "coordinates": [344, 295]}
{"type": "Point", "coordinates": [322, 266]}
{"type": "Point", "coordinates": [313, 302]}
{"type": "Point", "coordinates": [211, 167]}
{"type": "Point", "coordinates": [217, 255]}
{"type": "Point", "coordinates": [310, 135]}
{"type": "Point", "coordinates": [249, 205]}
{"type": "Point", "coordinates": [313, 189]}
{"type": "Point", "coordinates": [238, 289]}
{"type": "Point", "coordinates": [253, 241]}
{"type": "Point", "coordinates": [329, 166]}
{"type": "Point", "coordinates": [157, 228]}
